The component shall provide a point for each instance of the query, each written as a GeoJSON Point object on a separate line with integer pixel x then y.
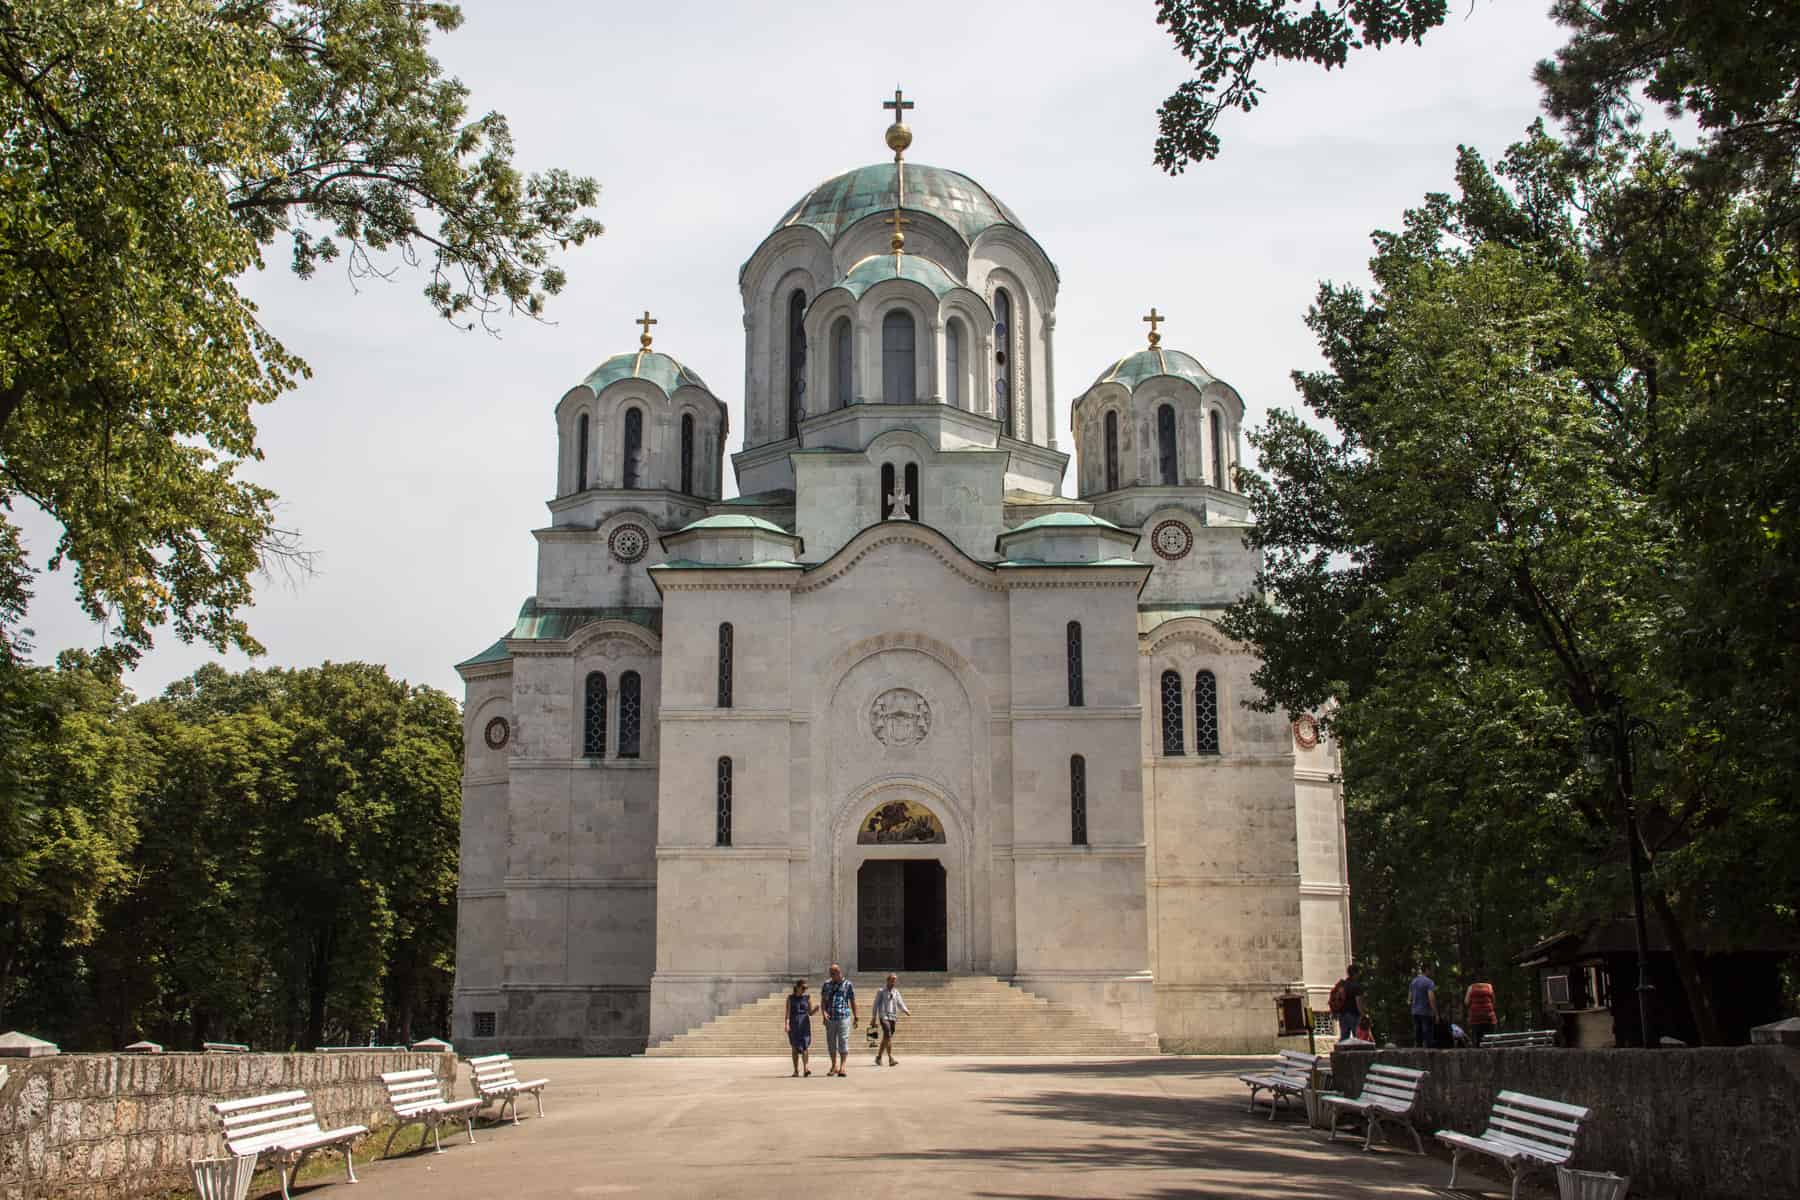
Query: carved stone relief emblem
{"type": "Point", "coordinates": [900, 718]}
{"type": "Point", "coordinates": [628, 543]}
{"type": "Point", "coordinates": [1306, 731]}
{"type": "Point", "coordinates": [497, 733]}
{"type": "Point", "coordinates": [1171, 540]}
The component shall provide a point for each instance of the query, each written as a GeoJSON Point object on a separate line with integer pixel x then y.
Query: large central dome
{"type": "Point", "coordinates": [950, 196]}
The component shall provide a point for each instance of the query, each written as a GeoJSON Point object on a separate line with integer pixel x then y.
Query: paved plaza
{"type": "Point", "coordinates": [927, 1129]}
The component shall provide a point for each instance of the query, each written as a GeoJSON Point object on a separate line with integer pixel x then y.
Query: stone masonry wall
{"type": "Point", "coordinates": [1716, 1124]}
{"type": "Point", "coordinates": [109, 1126]}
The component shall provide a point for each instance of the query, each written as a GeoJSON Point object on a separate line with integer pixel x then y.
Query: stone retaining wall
{"type": "Point", "coordinates": [109, 1126]}
{"type": "Point", "coordinates": [1713, 1124]}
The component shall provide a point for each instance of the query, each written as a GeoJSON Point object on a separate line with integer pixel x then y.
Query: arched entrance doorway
{"type": "Point", "coordinates": [901, 909]}
{"type": "Point", "coordinates": [900, 915]}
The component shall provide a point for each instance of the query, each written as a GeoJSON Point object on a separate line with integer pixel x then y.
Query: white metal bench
{"type": "Point", "coordinates": [1523, 1132]}
{"type": "Point", "coordinates": [1293, 1072]}
{"type": "Point", "coordinates": [1388, 1093]}
{"type": "Point", "coordinates": [417, 1099]}
{"type": "Point", "coordinates": [282, 1126]}
{"type": "Point", "coordinates": [1529, 1037]}
{"type": "Point", "coordinates": [496, 1082]}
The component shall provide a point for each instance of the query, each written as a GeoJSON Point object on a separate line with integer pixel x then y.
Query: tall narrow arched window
{"type": "Point", "coordinates": [1171, 713]}
{"type": "Point", "coordinates": [687, 454]}
{"type": "Point", "coordinates": [1218, 449]}
{"type": "Point", "coordinates": [1206, 713]}
{"type": "Point", "coordinates": [633, 473]}
{"type": "Point", "coordinates": [1076, 696]}
{"type": "Point", "coordinates": [1077, 800]}
{"type": "Point", "coordinates": [840, 362]}
{"type": "Point", "coordinates": [1003, 365]}
{"type": "Point", "coordinates": [1112, 451]}
{"type": "Point", "coordinates": [886, 502]}
{"type": "Point", "coordinates": [593, 720]}
{"type": "Point", "coordinates": [898, 368]}
{"type": "Point", "coordinates": [1165, 446]}
{"type": "Point", "coordinates": [581, 452]}
{"type": "Point", "coordinates": [725, 637]}
{"type": "Point", "coordinates": [912, 491]}
{"type": "Point", "coordinates": [723, 836]}
{"type": "Point", "coordinates": [796, 361]}
{"type": "Point", "coordinates": [631, 714]}
{"type": "Point", "coordinates": [953, 340]}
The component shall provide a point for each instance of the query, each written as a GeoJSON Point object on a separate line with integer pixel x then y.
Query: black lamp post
{"type": "Point", "coordinates": [1610, 746]}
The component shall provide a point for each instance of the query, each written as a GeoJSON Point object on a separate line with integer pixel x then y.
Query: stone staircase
{"type": "Point", "coordinates": [951, 1014]}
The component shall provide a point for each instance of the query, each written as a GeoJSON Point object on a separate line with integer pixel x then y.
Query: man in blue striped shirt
{"type": "Point", "coordinates": [838, 999]}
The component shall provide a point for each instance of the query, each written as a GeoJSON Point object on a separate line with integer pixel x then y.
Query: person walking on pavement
{"type": "Point", "coordinates": [1478, 1002]}
{"type": "Point", "coordinates": [888, 1007]}
{"type": "Point", "coordinates": [798, 1025]}
{"type": "Point", "coordinates": [1421, 996]}
{"type": "Point", "coordinates": [1346, 1001]}
{"type": "Point", "coordinates": [838, 999]}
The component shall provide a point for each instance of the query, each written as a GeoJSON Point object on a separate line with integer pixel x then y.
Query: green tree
{"type": "Point", "coordinates": [1733, 65]}
{"type": "Point", "coordinates": [1496, 530]}
{"type": "Point", "coordinates": [154, 153]}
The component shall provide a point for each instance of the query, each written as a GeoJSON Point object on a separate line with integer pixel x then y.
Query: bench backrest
{"type": "Point", "coordinates": [1547, 1127]}
{"type": "Point", "coordinates": [408, 1089]}
{"type": "Point", "coordinates": [1532, 1037]}
{"type": "Point", "coordinates": [493, 1070]}
{"type": "Point", "coordinates": [1296, 1064]}
{"type": "Point", "coordinates": [259, 1121]}
{"type": "Point", "coordinates": [1394, 1086]}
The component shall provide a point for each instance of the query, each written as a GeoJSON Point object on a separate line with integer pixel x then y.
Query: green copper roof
{"type": "Point", "coordinates": [494, 653]}
{"type": "Point", "coordinates": [659, 369]}
{"type": "Point", "coordinates": [878, 267]}
{"type": "Point", "coordinates": [950, 196]}
{"type": "Point", "coordinates": [1134, 369]}
{"type": "Point", "coordinates": [734, 521]}
{"type": "Point", "coordinates": [542, 623]}
{"type": "Point", "coordinates": [1064, 520]}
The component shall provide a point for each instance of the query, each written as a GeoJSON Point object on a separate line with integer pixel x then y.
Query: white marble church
{"type": "Point", "coordinates": [900, 703]}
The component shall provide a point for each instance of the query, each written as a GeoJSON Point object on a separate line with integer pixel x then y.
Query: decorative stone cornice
{"type": "Point", "coordinates": [1197, 632]}
{"type": "Point", "coordinates": [890, 533]}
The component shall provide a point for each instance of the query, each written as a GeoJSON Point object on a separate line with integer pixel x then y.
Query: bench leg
{"type": "Point", "coordinates": [539, 1097]}
{"type": "Point", "coordinates": [350, 1164]}
{"type": "Point", "coordinates": [1253, 1091]}
{"type": "Point", "coordinates": [469, 1124]}
{"type": "Point", "coordinates": [1516, 1172]}
{"type": "Point", "coordinates": [1334, 1120]}
{"type": "Point", "coordinates": [1372, 1122]}
{"type": "Point", "coordinates": [437, 1140]}
{"type": "Point", "coordinates": [513, 1100]}
{"type": "Point", "coordinates": [1417, 1144]}
{"type": "Point", "coordinates": [1455, 1157]}
{"type": "Point", "coordinates": [396, 1133]}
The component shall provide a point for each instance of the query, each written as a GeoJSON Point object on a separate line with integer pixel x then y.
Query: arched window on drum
{"type": "Point", "coordinates": [1218, 449]}
{"type": "Point", "coordinates": [581, 452]}
{"type": "Point", "coordinates": [632, 469]}
{"type": "Point", "coordinates": [899, 369]}
{"type": "Point", "coordinates": [1167, 467]}
{"type": "Point", "coordinates": [1003, 364]}
{"type": "Point", "coordinates": [1112, 451]}
{"type": "Point", "coordinates": [687, 454]}
{"type": "Point", "coordinates": [953, 363]}
{"type": "Point", "coordinates": [796, 361]}
{"type": "Point", "coordinates": [840, 362]}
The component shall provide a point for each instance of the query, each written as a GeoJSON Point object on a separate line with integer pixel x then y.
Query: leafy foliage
{"type": "Point", "coordinates": [277, 864]}
{"type": "Point", "coordinates": [1519, 518]}
{"type": "Point", "coordinates": [152, 153]}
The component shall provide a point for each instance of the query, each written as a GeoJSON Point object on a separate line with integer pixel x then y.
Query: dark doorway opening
{"type": "Point", "coordinates": [901, 916]}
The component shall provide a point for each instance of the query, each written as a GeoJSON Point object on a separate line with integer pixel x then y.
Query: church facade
{"type": "Point", "coordinates": [900, 703]}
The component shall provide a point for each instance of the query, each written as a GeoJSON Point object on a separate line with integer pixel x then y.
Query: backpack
{"type": "Point", "coordinates": [1335, 1002]}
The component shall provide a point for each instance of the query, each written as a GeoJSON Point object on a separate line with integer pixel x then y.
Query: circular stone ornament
{"type": "Point", "coordinates": [628, 543]}
{"type": "Point", "coordinates": [1306, 731]}
{"type": "Point", "coordinates": [497, 733]}
{"type": "Point", "coordinates": [1171, 540]}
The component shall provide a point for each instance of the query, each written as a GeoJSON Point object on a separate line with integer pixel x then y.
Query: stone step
{"type": "Point", "coordinates": [952, 1015]}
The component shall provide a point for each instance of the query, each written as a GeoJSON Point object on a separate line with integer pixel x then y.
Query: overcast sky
{"type": "Point", "coordinates": [417, 458]}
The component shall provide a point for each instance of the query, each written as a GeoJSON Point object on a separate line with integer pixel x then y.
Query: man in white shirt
{"type": "Point", "coordinates": [888, 1007]}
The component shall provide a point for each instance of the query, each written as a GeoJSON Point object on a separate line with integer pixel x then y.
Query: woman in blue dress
{"type": "Point", "coordinates": [798, 1024]}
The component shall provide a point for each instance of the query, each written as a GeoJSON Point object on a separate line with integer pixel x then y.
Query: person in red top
{"type": "Point", "coordinates": [1478, 1004]}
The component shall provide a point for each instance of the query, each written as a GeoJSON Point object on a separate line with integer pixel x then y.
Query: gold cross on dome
{"type": "Point", "coordinates": [899, 106]}
{"type": "Point", "coordinates": [1155, 318]}
{"type": "Point", "coordinates": [898, 241]}
{"type": "Point", "coordinates": [646, 321]}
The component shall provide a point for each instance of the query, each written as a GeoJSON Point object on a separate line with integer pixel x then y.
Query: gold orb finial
{"type": "Point", "coordinates": [646, 321]}
{"type": "Point", "coordinates": [1154, 319]}
{"type": "Point", "coordinates": [897, 242]}
{"type": "Point", "coordinates": [899, 137]}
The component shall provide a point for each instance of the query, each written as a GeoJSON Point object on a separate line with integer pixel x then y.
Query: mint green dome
{"type": "Point", "coordinates": [651, 365]}
{"type": "Point", "coordinates": [878, 267]}
{"type": "Point", "coordinates": [1134, 369]}
{"type": "Point", "coordinates": [950, 196]}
